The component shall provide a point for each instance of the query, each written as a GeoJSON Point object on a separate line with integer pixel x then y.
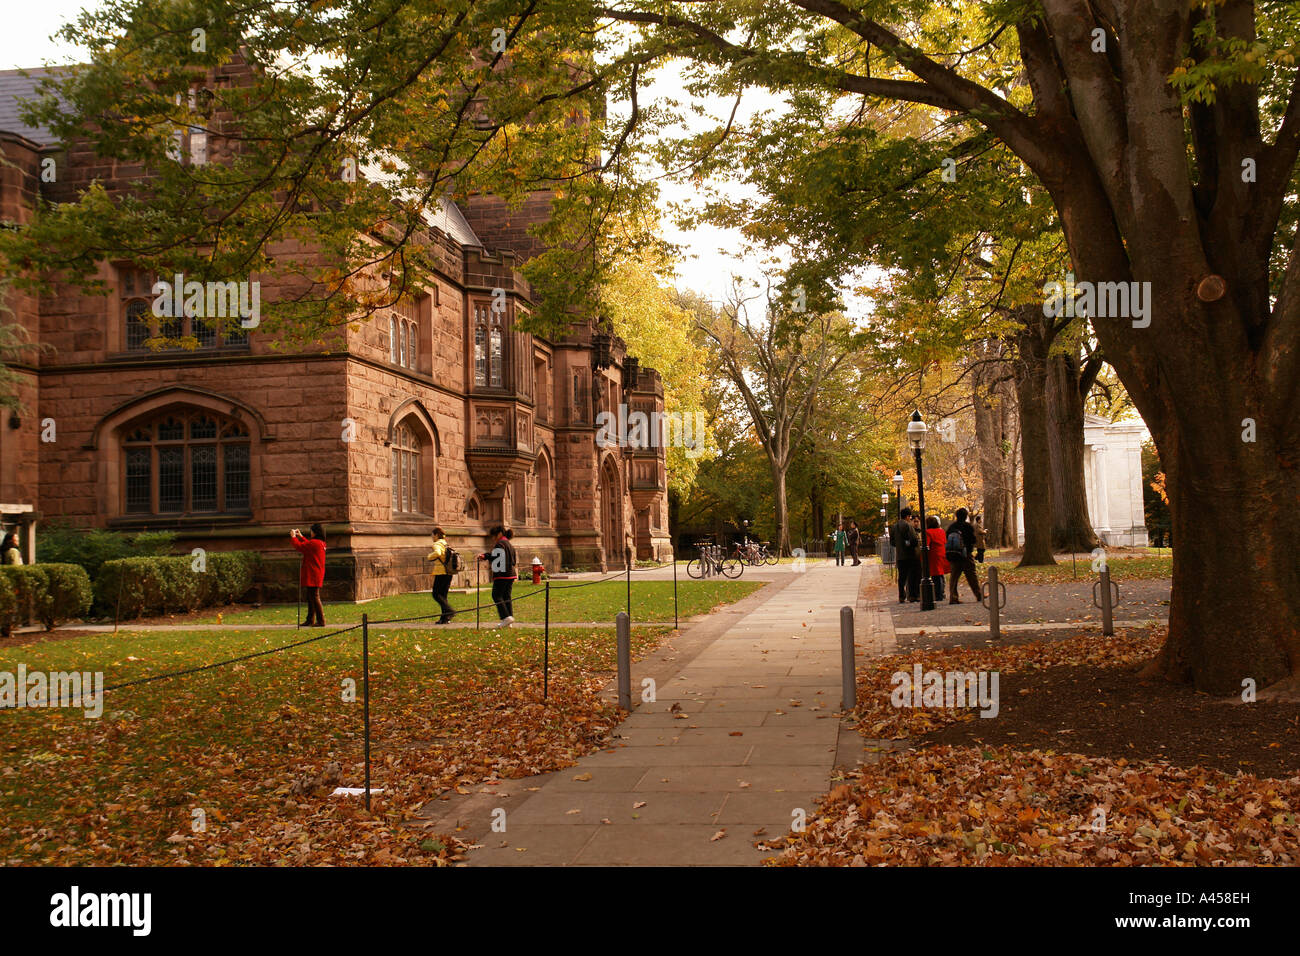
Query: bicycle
{"type": "Point", "coordinates": [713, 561]}
{"type": "Point", "coordinates": [747, 553]}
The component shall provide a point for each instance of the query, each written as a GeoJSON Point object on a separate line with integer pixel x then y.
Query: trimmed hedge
{"type": "Point", "coordinates": [50, 593]}
{"type": "Point", "coordinates": [158, 585]}
{"type": "Point", "coordinates": [91, 547]}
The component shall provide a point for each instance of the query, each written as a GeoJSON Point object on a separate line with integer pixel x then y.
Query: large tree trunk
{"type": "Point", "coordinates": [1031, 388]}
{"type": "Point", "coordinates": [1233, 611]}
{"type": "Point", "coordinates": [1071, 525]}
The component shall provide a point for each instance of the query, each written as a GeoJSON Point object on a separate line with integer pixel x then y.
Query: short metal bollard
{"type": "Point", "coordinates": [1107, 603]}
{"type": "Point", "coordinates": [624, 624]}
{"type": "Point", "coordinates": [999, 591]}
{"type": "Point", "coordinates": [848, 665]}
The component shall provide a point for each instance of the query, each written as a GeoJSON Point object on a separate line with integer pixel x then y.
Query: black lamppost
{"type": "Point", "coordinates": [884, 511]}
{"type": "Point", "coordinates": [916, 438]}
{"type": "Point", "coordinates": [898, 489]}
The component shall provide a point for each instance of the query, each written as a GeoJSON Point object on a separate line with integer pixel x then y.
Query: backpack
{"type": "Point", "coordinates": [956, 544]}
{"type": "Point", "coordinates": [451, 561]}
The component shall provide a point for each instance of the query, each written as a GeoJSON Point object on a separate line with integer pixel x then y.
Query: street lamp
{"type": "Point", "coordinates": [916, 438]}
{"type": "Point", "coordinates": [898, 490]}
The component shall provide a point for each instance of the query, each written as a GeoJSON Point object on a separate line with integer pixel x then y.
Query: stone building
{"type": "Point", "coordinates": [438, 411]}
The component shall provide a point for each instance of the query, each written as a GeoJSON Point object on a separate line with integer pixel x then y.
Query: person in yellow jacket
{"type": "Point", "coordinates": [441, 576]}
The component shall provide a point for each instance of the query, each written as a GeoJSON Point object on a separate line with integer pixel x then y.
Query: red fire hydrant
{"type": "Point", "coordinates": [537, 570]}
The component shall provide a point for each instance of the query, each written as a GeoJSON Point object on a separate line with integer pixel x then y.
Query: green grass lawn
{"type": "Point", "coordinates": [448, 708]}
{"type": "Point", "coordinates": [652, 601]}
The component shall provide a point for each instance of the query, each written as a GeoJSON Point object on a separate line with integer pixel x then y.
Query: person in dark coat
{"type": "Point", "coordinates": [906, 557]}
{"type": "Point", "coordinates": [855, 538]}
{"type": "Point", "coordinates": [502, 563]}
{"type": "Point", "coordinates": [962, 533]}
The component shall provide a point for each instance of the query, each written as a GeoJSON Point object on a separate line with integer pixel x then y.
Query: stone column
{"type": "Point", "coordinates": [1090, 485]}
{"type": "Point", "coordinates": [1102, 477]}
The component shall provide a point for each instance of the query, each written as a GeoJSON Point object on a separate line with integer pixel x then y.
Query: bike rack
{"type": "Point", "coordinates": [994, 587]}
{"type": "Point", "coordinates": [1107, 604]}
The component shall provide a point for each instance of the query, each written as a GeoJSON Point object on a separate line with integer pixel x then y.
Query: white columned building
{"type": "Point", "coordinates": [1112, 475]}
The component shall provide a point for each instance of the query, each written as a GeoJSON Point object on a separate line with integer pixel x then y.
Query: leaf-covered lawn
{"type": "Point", "coordinates": [967, 806]}
{"type": "Point", "coordinates": [961, 805]}
{"type": "Point", "coordinates": [1149, 568]}
{"type": "Point", "coordinates": [652, 601]}
{"type": "Point", "coordinates": [879, 718]}
{"type": "Point", "coordinates": [449, 709]}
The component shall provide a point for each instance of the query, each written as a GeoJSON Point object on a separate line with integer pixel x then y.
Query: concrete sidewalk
{"type": "Point", "coordinates": [738, 744]}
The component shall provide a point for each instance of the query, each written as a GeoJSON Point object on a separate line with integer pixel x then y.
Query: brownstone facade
{"type": "Point", "coordinates": [440, 411]}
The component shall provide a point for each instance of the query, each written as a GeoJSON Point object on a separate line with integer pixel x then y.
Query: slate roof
{"type": "Point", "coordinates": [450, 220]}
{"type": "Point", "coordinates": [14, 87]}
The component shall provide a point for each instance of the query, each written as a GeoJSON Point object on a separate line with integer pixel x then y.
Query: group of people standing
{"type": "Point", "coordinates": [952, 554]}
{"type": "Point", "coordinates": [445, 563]}
{"type": "Point", "coordinates": [849, 540]}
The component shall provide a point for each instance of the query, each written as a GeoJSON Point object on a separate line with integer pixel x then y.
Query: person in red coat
{"type": "Point", "coordinates": [939, 566]}
{"type": "Point", "coordinates": [312, 574]}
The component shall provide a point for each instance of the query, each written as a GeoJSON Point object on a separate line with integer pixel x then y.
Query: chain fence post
{"type": "Point", "coordinates": [623, 623]}
{"type": "Point", "coordinates": [365, 695]}
{"type": "Point", "coordinates": [676, 624]}
{"type": "Point", "coordinates": [848, 666]}
{"type": "Point", "coordinates": [991, 600]}
{"type": "Point", "coordinates": [546, 646]}
{"type": "Point", "coordinates": [1107, 612]}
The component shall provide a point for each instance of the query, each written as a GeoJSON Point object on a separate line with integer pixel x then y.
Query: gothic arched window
{"type": "Point", "coordinates": [489, 346]}
{"type": "Point", "coordinates": [406, 471]}
{"type": "Point", "coordinates": [136, 291]}
{"type": "Point", "coordinates": [404, 335]}
{"type": "Point", "coordinates": [185, 461]}
{"type": "Point", "coordinates": [543, 472]}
